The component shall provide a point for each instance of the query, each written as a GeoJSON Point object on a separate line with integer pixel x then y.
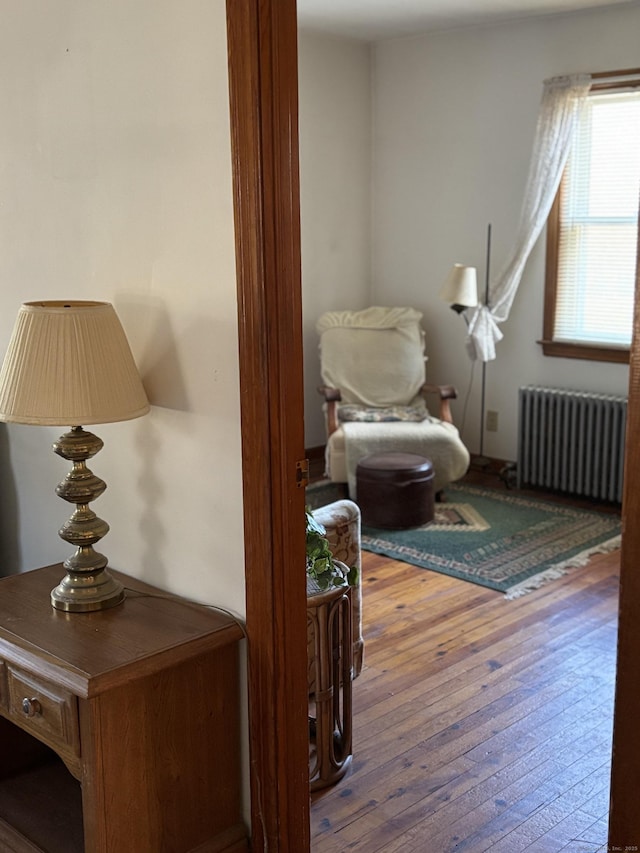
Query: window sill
{"type": "Point", "coordinates": [589, 353]}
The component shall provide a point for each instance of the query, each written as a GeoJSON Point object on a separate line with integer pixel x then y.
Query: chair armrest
{"type": "Point", "coordinates": [332, 397]}
{"type": "Point", "coordinates": [445, 393]}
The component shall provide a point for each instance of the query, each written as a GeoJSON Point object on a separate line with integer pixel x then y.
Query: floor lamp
{"type": "Point", "coordinates": [482, 460]}
{"type": "Point", "coordinates": [460, 290]}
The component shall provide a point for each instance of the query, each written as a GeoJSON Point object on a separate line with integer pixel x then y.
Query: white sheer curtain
{"type": "Point", "coordinates": [562, 101]}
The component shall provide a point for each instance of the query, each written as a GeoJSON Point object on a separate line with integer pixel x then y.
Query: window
{"type": "Point", "coordinates": [592, 232]}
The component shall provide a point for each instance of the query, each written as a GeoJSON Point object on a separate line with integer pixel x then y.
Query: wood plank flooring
{"type": "Point", "coordinates": [480, 724]}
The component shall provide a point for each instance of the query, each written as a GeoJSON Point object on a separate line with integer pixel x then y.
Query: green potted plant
{"type": "Point", "coordinates": [322, 568]}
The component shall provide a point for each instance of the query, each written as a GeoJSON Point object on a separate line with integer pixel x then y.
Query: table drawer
{"type": "Point", "coordinates": [45, 710]}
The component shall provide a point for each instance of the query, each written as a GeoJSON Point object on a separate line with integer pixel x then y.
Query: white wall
{"type": "Point", "coordinates": [454, 119]}
{"type": "Point", "coordinates": [115, 184]}
{"type": "Point", "coordinates": [335, 193]}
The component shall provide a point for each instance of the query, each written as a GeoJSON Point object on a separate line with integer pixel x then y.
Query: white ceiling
{"type": "Point", "coordinates": [370, 20]}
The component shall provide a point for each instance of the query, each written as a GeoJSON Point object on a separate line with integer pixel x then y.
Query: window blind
{"type": "Point", "coordinates": [599, 224]}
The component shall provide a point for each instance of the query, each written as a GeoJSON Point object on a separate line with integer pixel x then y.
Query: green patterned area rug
{"type": "Point", "coordinates": [499, 540]}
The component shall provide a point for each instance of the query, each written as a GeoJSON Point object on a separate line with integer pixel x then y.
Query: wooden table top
{"type": "Point", "coordinates": [92, 652]}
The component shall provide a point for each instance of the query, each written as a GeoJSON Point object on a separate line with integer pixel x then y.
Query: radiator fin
{"type": "Point", "coordinates": [572, 441]}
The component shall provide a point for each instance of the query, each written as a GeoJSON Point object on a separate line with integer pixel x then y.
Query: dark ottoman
{"type": "Point", "coordinates": [395, 490]}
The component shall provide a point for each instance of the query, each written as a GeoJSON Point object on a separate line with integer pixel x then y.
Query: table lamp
{"type": "Point", "coordinates": [69, 363]}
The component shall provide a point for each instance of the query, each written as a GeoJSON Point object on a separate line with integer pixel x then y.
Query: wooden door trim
{"type": "Point", "coordinates": [263, 90]}
{"type": "Point", "coordinates": [263, 86]}
{"type": "Point", "coordinates": [624, 817]}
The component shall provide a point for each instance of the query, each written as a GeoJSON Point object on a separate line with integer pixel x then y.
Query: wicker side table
{"type": "Point", "coordinates": [330, 721]}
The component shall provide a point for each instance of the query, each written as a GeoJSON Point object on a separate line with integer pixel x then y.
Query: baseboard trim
{"type": "Point", "coordinates": [315, 455]}
{"type": "Point", "coordinates": [499, 467]}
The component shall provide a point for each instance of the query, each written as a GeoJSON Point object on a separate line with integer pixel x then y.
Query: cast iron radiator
{"type": "Point", "coordinates": [572, 441]}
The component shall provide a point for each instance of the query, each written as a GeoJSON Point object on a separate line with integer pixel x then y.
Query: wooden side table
{"type": "Point", "coordinates": [119, 730]}
{"type": "Point", "coordinates": [329, 620]}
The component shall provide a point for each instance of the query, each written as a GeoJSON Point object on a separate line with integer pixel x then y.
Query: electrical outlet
{"type": "Point", "coordinates": [492, 421]}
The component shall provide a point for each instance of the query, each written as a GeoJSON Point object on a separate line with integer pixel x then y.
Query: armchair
{"type": "Point", "coordinates": [373, 373]}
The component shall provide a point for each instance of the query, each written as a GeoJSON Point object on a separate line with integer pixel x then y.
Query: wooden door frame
{"type": "Point", "coordinates": [263, 86]}
{"type": "Point", "coordinates": [624, 816]}
{"type": "Point", "coordinates": [262, 44]}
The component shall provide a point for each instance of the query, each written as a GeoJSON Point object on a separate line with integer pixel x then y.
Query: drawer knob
{"type": "Point", "coordinates": [31, 707]}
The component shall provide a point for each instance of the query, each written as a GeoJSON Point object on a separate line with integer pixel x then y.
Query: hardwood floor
{"type": "Point", "coordinates": [480, 724]}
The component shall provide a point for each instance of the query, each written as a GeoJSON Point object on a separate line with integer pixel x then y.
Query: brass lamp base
{"type": "Point", "coordinates": [84, 593]}
{"type": "Point", "coordinates": [87, 586]}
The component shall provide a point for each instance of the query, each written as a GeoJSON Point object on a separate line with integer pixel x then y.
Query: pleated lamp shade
{"type": "Point", "coordinates": [69, 364]}
{"type": "Point", "coordinates": [461, 287]}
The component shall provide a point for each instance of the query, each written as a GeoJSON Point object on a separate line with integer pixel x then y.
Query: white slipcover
{"type": "Point", "coordinates": [375, 357]}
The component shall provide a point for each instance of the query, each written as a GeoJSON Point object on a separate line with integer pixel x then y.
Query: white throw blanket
{"type": "Point", "coordinates": [430, 438]}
